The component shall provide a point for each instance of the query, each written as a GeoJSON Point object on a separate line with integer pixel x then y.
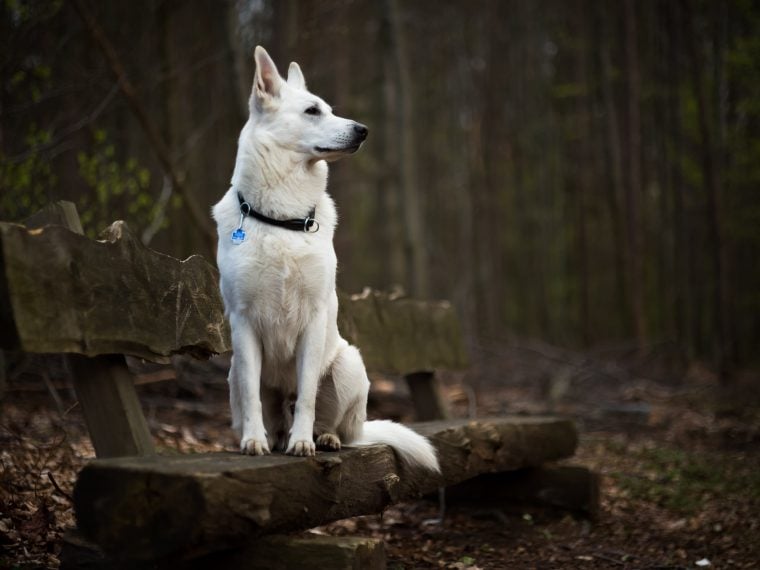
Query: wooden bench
{"type": "Point", "coordinates": [100, 300]}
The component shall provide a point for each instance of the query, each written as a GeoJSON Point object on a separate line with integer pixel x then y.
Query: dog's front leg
{"type": "Point", "coordinates": [309, 360]}
{"type": "Point", "coordinates": [246, 347]}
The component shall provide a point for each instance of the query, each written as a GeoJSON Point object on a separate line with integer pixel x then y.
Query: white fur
{"type": "Point", "coordinates": [278, 285]}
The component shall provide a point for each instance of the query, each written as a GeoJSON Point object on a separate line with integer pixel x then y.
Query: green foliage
{"type": "Point", "coordinates": [26, 180]}
{"type": "Point", "coordinates": [117, 189]}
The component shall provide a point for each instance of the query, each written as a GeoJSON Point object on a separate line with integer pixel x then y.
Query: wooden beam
{"type": "Point", "coordinates": [278, 552]}
{"type": "Point", "coordinates": [60, 213]}
{"type": "Point", "coordinates": [152, 508]}
{"type": "Point", "coordinates": [106, 393]}
{"type": "Point", "coordinates": [62, 292]}
{"type": "Point", "coordinates": [427, 397]}
{"type": "Point", "coordinates": [399, 335]}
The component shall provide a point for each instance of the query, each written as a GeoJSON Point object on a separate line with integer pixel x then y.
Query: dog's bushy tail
{"type": "Point", "coordinates": [411, 447]}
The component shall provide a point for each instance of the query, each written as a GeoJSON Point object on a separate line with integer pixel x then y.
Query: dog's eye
{"type": "Point", "coordinates": [313, 110]}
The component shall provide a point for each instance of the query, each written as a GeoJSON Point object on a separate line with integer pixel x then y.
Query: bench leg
{"type": "Point", "coordinates": [109, 402]}
{"type": "Point", "coordinates": [426, 396]}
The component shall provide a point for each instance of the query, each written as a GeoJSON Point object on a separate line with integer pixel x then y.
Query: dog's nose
{"type": "Point", "coordinates": [361, 131]}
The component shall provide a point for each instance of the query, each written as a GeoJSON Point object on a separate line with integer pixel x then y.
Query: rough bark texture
{"type": "Point", "coordinates": [156, 508]}
{"type": "Point", "coordinates": [62, 292]}
{"type": "Point", "coordinates": [402, 335]}
{"type": "Point", "coordinates": [111, 407]}
{"type": "Point", "coordinates": [277, 552]}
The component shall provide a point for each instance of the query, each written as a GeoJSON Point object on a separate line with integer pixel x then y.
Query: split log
{"type": "Point", "coordinates": [277, 552]}
{"type": "Point", "coordinates": [62, 292]}
{"type": "Point", "coordinates": [155, 508]}
{"type": "Point", "coordinates": [299, 553]}
{"type": "Point", "coordinates": [402, 335]}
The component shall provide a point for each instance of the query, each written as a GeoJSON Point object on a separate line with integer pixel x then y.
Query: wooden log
{"type": "Point", "coordinates": [299, 553]}
{"type": "Point", "coordinates": [106, 393]}
{"type": "Point", "coordinates": [402, 335]}
{"type": "Point", "coordinates": [103, 384]}
{"type": "Point", "coordinates": [62, 292]}
{"type": "Point", "coordinates": [426, 395]}
{"type": "Point", "coordinates": [277, 552]}
{"type": "Point", "coordinates": [568, 487]}
{"type": "Point", "coordinates": [60, 213]}
{"type": "Point", "coordinates": [153, 508]}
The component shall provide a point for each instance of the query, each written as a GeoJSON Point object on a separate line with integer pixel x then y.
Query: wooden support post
{"type": "Point", "coordinates": [426, 396]}
{"type": "Point", "coordinates": [109, 402]}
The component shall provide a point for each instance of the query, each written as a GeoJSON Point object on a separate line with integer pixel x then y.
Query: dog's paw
{"type": "Point", "coordinates": [254, 447]}
{"type": "Point", "coordinates": [301, 447]}
{"type": "Point", "coordinates": [329, 442]}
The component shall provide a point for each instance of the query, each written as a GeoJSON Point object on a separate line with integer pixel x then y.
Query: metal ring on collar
{"type": "Point", "coordinates": [308, 223]}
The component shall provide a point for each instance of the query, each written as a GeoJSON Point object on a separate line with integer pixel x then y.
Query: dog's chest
{"type": "Point", "coordinates": [280, 280]}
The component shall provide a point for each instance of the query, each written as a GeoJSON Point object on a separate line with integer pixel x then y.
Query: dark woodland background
{"type": "Point", "coordinates": [576, 171]}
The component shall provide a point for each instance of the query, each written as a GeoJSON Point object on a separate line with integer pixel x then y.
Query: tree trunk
{"type": "Point", "coordinates": [712, 183]}
{"type": "Point", "coordinates": [633, 190]}
{"type": "Point", "coordinates": [615, 197]}
{"type": "Point", "coordinates": [414, 227]}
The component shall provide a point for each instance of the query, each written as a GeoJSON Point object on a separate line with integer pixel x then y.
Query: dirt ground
{"type": "Point", "coordinates": [677, 453]}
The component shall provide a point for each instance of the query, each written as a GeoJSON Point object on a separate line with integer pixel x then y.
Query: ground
{"type": "Point", "coordinates": [677, 452]}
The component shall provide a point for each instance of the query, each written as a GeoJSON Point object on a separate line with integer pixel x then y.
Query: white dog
{"type": "Point", "coordinates": [277, 265]}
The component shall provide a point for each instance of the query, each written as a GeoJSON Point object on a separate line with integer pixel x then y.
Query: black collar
{"type": "Point", "coordinates": [298, 225]}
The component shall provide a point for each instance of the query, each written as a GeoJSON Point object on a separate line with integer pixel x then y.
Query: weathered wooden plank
{"type": "Point", "coordinates": [149, 508]}
{"type": "Point", "coordinates": [277, 552]}
{"type": "Point", "coordinates": [300, 553]}
{"type": "Point", "coordinates": [426, 396]}
{"type": "Point", "coordinates": [104, 386]}
{"type": "Point", "coordinates": [109, 402]}
{"type": "Point", "coordinates": [402, 335]}
{"type": "Point", "coordinates": [62, 292]}
{"type": "Point", "coordinates": [60, 213]}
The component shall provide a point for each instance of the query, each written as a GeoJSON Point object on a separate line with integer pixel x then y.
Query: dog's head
{"type": "Point", "coordinates": [296, 119]}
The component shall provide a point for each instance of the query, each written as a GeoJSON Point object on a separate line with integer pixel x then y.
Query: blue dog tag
{"type": "Point", "coordinates": [238, 236]}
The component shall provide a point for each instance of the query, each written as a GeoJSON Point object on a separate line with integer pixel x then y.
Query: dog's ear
{"type": "Point", "coordinates": [267, 81]}
{"type": "Point", "coordinates": [295, 76]}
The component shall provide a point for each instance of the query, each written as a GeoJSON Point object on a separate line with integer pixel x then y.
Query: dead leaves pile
{"type": "Point", "coordinates": [38, 465]}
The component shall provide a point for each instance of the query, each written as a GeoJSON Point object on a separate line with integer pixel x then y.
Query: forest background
{"type": "Point", "coordinates": [581, 172]}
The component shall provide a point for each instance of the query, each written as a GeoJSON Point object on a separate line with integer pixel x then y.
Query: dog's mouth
{"type": "Point", "coordinates": [342, 150]}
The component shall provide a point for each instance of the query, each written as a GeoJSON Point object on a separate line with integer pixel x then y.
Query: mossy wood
{"type": "Point", "coordinates": [402, 335]}
{"type": "Point", "coordinates": [63, 292]}
{"type": "Point", "coordinates": [274, 552]}
{"type": "Point", "coordinates": [151, 508]}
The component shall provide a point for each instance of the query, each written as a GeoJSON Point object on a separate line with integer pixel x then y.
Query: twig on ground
{"type": "Point", "coordinates": [58, 488]}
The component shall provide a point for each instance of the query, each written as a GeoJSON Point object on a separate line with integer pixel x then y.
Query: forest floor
{"type": "Point", "coordinates": [677, 454]}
